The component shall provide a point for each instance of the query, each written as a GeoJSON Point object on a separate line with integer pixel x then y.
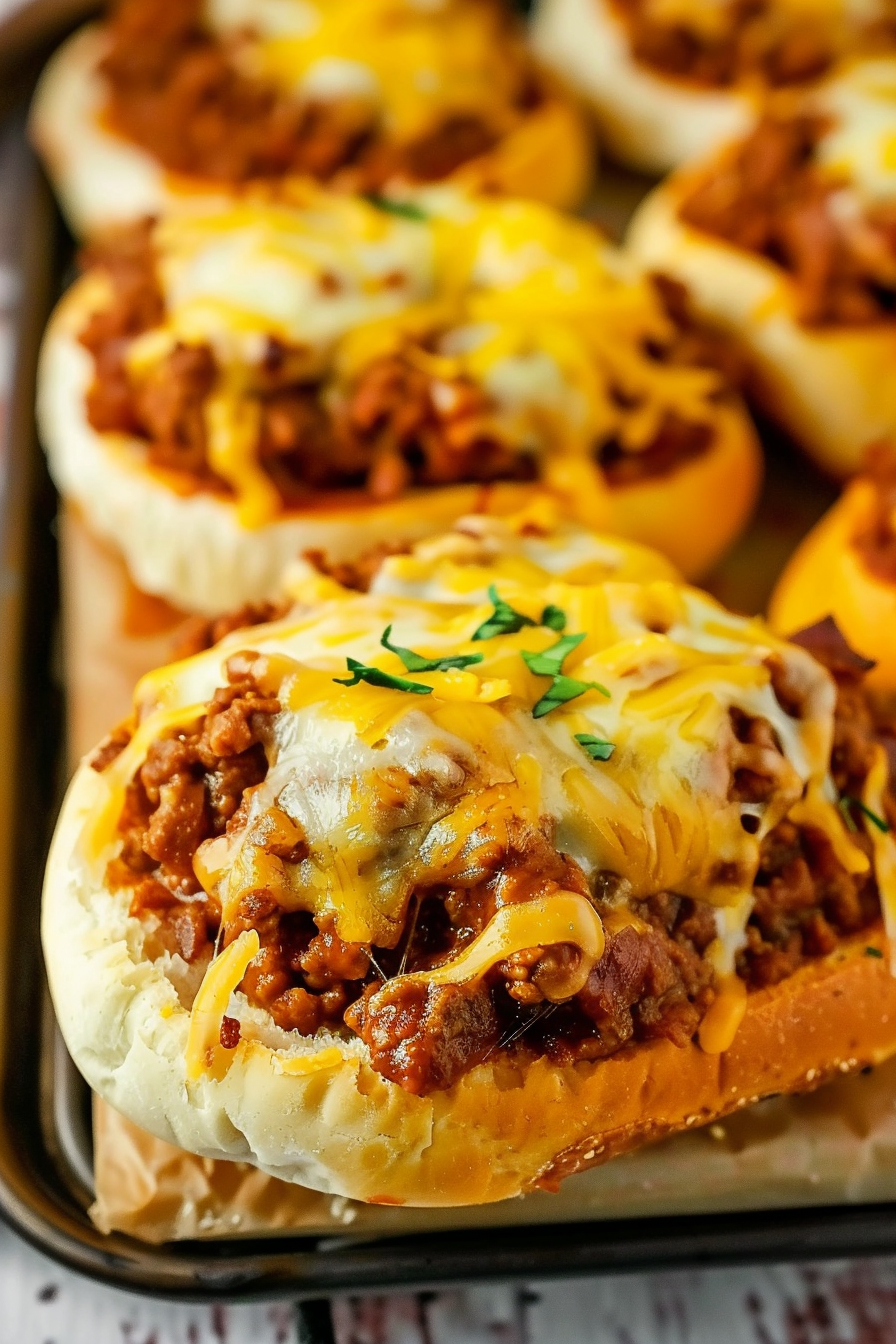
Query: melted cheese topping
{"type": "Point", "coordinates": [860, 147]}
{"type": "Point", "coordinates": [417, 62]}
{"type": "Point", "coordinates": [393, 791]}
{"type": "Point", "coordinates": [305, 273]}
{"type": "Point", "coordinates": [564, 918]}
{"type": "Point", "coordinates": [531, 546]}
{"type": "Point", "coordinates": [527, 304]}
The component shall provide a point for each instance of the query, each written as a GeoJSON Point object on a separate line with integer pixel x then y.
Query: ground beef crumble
{"type": "Point", "coordinates": [757, 40]}
{"type": "Point", "coordinates": [189, 787]}
{"type": "Point", "coordinates": [805, 900]}
{"type": "Point", "coordinates": [768, 196]}
{"type": "Point", "coordinates": [181, 92]}
{"type": "Point", "coordinates": [201, 633]}
{"type": "Point", "coordinates": [395, 427]}
{"type": "Point", "coordinates": [653, 980]}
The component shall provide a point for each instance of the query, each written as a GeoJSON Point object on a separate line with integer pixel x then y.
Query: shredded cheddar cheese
{"type": "Point", "coordinates": [563, 918]}
{"type": "Point", "coordinates": [562, 337]}
{"type": "Point", "coordinates": [204, 1053]}
{"type": "Point", "coordinates": [391, 793]}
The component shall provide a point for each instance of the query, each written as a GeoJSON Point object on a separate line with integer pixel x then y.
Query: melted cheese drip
{"type": "Point", "coordinates": [564, 918]}
{"type": "Point", "coordinates": [204, 1052]}
{"type": "Point", "coordinates": [719, 1027]}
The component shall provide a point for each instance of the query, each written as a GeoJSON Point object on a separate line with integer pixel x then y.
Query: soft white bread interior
{"type": "Point", "coordinates": [645, 121]}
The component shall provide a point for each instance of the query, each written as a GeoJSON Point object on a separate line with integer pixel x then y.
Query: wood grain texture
{"type": "Point", "coordinates": [40, 1303]}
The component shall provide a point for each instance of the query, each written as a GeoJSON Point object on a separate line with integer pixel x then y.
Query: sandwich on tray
{"type": "Point", "coordinates": [668, 80]}
{"type": "Point", "coordinates": [226, 388]}
{"type": "Point", "coordinates": [787, 239]}
{"type": "Point", "coordinates": [486, 860]}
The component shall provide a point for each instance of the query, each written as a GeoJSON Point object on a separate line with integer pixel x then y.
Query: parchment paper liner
{"type": "Point", "coordinates": [837, 1145]}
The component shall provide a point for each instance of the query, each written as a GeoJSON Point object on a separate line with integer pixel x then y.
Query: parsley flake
{"type": "Point", "coordinates": [847, 801]}
{"type": "Point", "coordinates": [415, 662]}
{"type": "Point", "coordinates": [597, 748]}
{"type": "Point", "coordinates": [504, 620]}
{"type": "Point", "coordinates": [874, 952]}
{"type": "Point", "coordinates": [561, 691]}
{"type": "Point", "coordinates": [549, 663]}
{"type": "Point", "coordinates": [375, 676]}
{"type": "Point", "coordinates": [403, 209]}
{"type": "Point", "coordinates": [554, 619]}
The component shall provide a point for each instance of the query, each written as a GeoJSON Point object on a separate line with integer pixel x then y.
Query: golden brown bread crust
{"type": "Point", "coordinates": [835, 1015]}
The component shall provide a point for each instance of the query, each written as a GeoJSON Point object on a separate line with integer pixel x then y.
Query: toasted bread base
{"type": "Point", "coordinates": [314, 1111]}
{"type": "Point", "coordinates": [825, 576]}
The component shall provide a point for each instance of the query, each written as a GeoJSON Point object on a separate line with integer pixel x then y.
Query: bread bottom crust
{"type": "Point", "coordinates": [833, 1016]}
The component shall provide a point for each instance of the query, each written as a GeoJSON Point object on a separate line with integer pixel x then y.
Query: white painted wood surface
{"type": "Point", "coordinates": [41, 1303]}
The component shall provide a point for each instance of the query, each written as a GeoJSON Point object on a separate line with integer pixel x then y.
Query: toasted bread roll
{"type": "Point", "coordinates": [460, 879]}
{"type": "Point", "coordinates": [224, 390]}
{"type": "Point", "coordinates": [668, 82]}
{"type": "Point", "coordinates": [786, 239]}
{"type": "Point", "coordinates": [171, 98]}
{"type": "Point", "coordinates": [646, 121]}
{"type": "Point", "coordinates": [846, 568]}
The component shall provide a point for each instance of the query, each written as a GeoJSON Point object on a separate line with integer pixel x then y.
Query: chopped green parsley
{"type": "Point", "coordinates": [415, 662]}
{"type": "Point", "coordinates": [375, 676]}
{"type": "Point", "coordinates": [597, 748]}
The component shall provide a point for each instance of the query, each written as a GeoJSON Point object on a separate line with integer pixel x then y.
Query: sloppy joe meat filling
{"type": "Point", "coordinates": [768, 196]}
{"type": "Point", "coordinates": [653, 980]}
{"type": "Point", "coordinates": [755, 38]}
{"type": "Point", "coordinates": [178, 90]}
{"type": "Point", "coordinates": [394, 428]}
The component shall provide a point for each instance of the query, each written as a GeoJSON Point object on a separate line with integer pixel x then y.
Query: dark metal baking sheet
{"type": "Point", "coordinates": [45, 1159]}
